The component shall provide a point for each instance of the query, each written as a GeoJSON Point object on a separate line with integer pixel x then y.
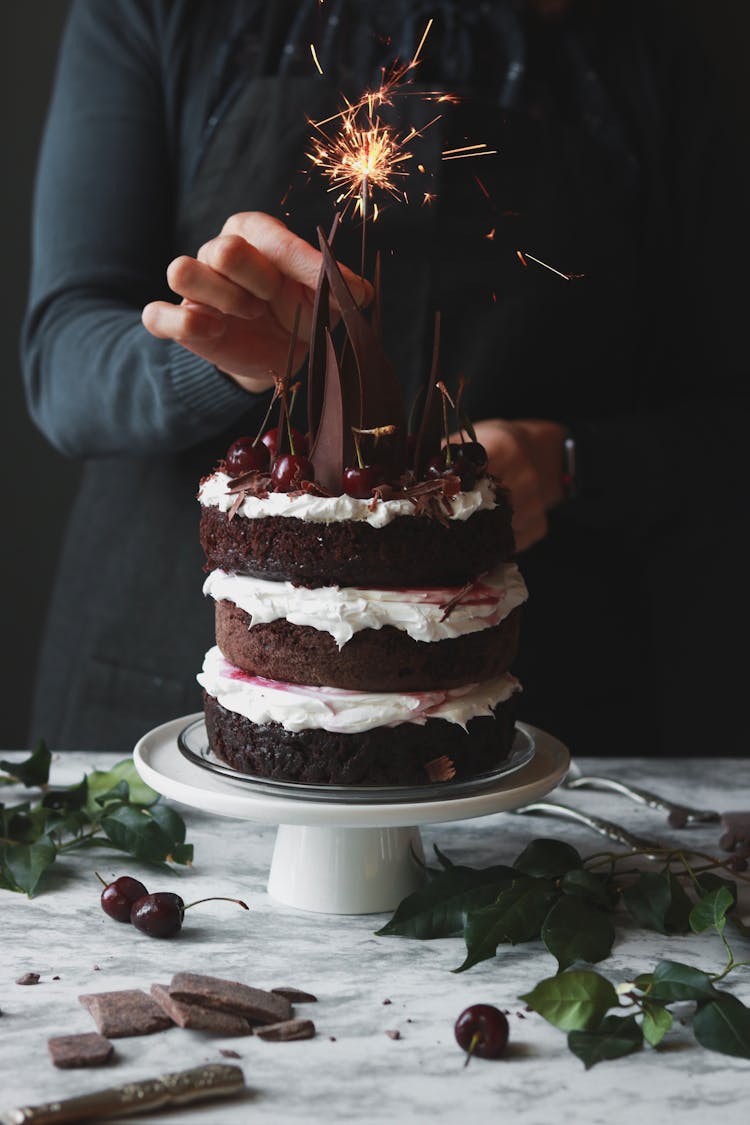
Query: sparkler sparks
{"type": "Point", "coordinates": [524, 258]}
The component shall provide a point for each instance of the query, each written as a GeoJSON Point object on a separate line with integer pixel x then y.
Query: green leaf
{"type": "Point", "coordinates": [723, 1025]}
{"type": "Point", "coordinates": [70, 799]}
{"type": "Point", "coordinates": [34, 771]}
{"type": "Point", "coordinates": [120, 793]}
{"type": "Point", "coordinates": [590, 886]}
{"type": "Point", "coordinates": [573, 1001]}
{"type": "Point", "coordinates": [656, 1023]}
{"type": "Point", "coordinates": [24, 824]}
{"type": "Point", "coordinates": [102, 781]}
{"type": "Point", "coordinates": [615, 1037]}
{"type": "Point", "coordinates": [183, 853]}
{"type": "Point", "coordinates": [710, 912]}
{"type": "Point", "coordinates": [644, 981]}
{"type": "Point", "coordinates": [708, 881]}
{"type": "Point", "coordinates": [26, 863]}
{"type": "Point", "coordinates": [658, 902]}
{"type": "Point", "coordinates": [443, 859]}
{"type": "Point", "coordinates": [547, 859]}
{"type": "Point", "coordinates": [135, 831]}
{"type": "Point", "coordinates": [440, 908]}
{"type": "Point", "coordinates": [574, 930]}
{"type": "Point", "coordinates": [672, 981]}
{"type": "Point", "coordinates": [515, 916]}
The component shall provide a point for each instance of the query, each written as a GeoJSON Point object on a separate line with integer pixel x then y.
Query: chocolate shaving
{"type": "Point", "coordinates": [228, 1053]}
{"type": "Point", "coordinates": [296, 995]}
{"type": "Point", "coordinates": [252, 482]}
{"type": "Point", "coordinates": [236, 505]}
{"type": "Point", "coordinates": [440, 769]}
{"type": "Point", "coordinates": [455, 600]}
{"type": "Point", "coordinates": [311, 488]}
{"type": "Point", "coordinates": [393, 1034]}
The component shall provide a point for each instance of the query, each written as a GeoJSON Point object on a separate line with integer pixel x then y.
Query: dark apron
{"type": "Point", "coordinates": [129, 620]}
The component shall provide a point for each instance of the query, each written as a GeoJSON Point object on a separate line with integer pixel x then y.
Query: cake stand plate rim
{"type": "Point", "coordinates": [161, 765]}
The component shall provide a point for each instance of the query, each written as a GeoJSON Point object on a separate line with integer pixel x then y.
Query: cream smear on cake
{"type": "Point", "coordinates": [335, 509]}
{"type": "Point", "coordinates": [298, 707]}
{"type": "Point", "coordinates": [425, 614]}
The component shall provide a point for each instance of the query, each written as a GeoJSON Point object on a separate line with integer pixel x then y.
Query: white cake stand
{"type": "Point", "coordinates": [341, 857]}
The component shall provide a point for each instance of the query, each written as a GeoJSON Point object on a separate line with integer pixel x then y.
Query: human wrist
{"type": "Point", "coordinates": [553, 460]}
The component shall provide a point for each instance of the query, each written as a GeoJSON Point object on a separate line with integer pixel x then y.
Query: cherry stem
{"type": "Point", "coordinates": [355, 435]}
{"type": "Point", "coordinates": [218, 898]}
{"type": "Point", "coordinates": [102, 881]}
{"type": "Point", "coordinates": [267, 415]}
{"type": "Point", "coordinates": [472, 1046]}
{"type": "Point", "coordinates": [446, 399]}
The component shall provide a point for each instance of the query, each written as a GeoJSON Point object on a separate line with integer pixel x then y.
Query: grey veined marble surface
{"type": "Point", "coordinates": [353, 1071]}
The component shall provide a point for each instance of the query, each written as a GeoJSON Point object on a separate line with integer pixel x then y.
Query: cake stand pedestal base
{"type": "Point", "coordinates": [340, 855]}
{"type": "Point", "coordinates": [345, 870]}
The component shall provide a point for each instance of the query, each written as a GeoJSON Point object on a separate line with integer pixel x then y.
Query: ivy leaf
{"type": "Point", "coordinates": [615, 1037]}
{"type": "Point", "coordinates": [574, 930]}
{"type": "Point", "coordinates": [658, 902]}
{"type": "Point", "coordinates": [119, 792]}
{"type": "Point", "coordinates": [26, 863]}
{"type": "Point", "coordinates": [590, 886]}
{"type": "Point", "coordinates": [656, 1023]}
{"type": "Point", "coordinates": [573, 1001]}
{"type": "Point", "coordinates": [135, 831]}
{"type": "Point", "coordinates": [547, 859]}
{"type": "Point", "coordinates": [70, 799]}
{"type": "Point", "coordinates": [34, 772]}
{"type": "Point", "coordinates": [183, 853]}
{"type": "Point", "coordinates": [102, 781]}
{"type": "Point", "coordinates": [710, 912]}
{"type": "Point", "coordinates": [440, 908]}
{"type": "Point", "coordinates": [723, 1024]}
{"type": "Point", "coordinates": [672, 981]}
{"type": "Point", "coordinates": [516, 915]}
{"type": "Point", "coordinates": [708, 881]}
{"type": "Point", "coordinates": [24, 825]}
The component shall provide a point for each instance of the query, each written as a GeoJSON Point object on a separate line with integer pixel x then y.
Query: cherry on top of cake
{"type": "Point", "coordinates": [359, 442]}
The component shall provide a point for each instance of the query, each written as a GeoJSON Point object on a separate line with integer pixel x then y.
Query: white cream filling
{"type": "Point", "coordinates": [334, 509]}
{"type": "Point", "coordinates": [343, 611]}
{"type": "Point", "coordinates": [297, 707]}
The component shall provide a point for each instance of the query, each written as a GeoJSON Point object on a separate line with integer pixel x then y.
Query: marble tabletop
{"type": "Point", "coordinates": [366, 985]}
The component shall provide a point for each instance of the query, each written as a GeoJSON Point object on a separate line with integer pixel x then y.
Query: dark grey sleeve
{"type": "Point", "coordinates": [97, 383]}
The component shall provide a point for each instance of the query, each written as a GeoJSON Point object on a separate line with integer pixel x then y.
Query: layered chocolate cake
{"type": "Point", "coordinates": [367, 601]}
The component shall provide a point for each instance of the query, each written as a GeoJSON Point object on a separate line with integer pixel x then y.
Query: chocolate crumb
{"type": "Point", "coordinates": [96, 968]}
{"type": "Point", "coordinates": [287, 1030]}
{"type": "Point", "coordinates": [332, 1038]}
{"type": "Point", "coordinates": [387, 1001]}
{"type": "Point", "coordinates": [55, 978]}
{"type": "Point", "coordinates": [520, 1015]}
{"type": "Point", "coordinates": [296, 995]}
{"type": "Point", "coordinates": [228, 1053]}
{"type": "Point", "coordinates": [393, 1034]}
{"type": "Point", "coordinates": [29, 978]}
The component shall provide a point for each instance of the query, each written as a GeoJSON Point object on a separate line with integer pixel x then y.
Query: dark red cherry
{"type": "Point", "coordinates": [271, 441]}
{"type": "Point", "coordinates": [360, 480]}
{"type": "Point", "coordinates": [289, 470]}
{"type": "Point", "coordinates": [482, 1030]}
{"type": "Point", "coordinates": [460, 466]}
{"type": "Point", "coordinates": [475, 454]}
{"type": "Point", "coordinates": [118, 897]}
{"type": "Point", "coordinates": [243, 457]}
{"type": "Point", "coordinates": [161, 914]}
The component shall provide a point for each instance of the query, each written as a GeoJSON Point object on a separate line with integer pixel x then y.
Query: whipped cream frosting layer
{"type": "Point", "coordinates": [334, 509]}
{"type": "Point", "coordinates": [343, 611]}
{"type": "Point", "coordinates": [297, 707]}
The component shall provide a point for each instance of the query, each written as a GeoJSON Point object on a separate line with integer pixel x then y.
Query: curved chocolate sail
{"type": "Point", "coordinates": [381, 399]}
{"type": "Point", "coordinates": [333, 448]}
{"type": "Point", "coordinates": [430, 432]}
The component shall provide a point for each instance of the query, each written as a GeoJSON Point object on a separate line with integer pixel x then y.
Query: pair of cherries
{"type": "Point", "coordinates": [159, 915]}
{"type": "Point", "coordinates": [246, 455]}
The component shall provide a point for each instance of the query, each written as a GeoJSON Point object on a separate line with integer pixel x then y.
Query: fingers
{"type": "Point", "coordinates": [182, 322]}
{"type": "Point", "coordinates": [292, 256]}
{"type": "Point", "coordinates": [205, 283]}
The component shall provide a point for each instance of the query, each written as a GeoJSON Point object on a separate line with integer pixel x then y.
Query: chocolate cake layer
{"type": "Point", "coordinates": [409, 551]}
{"type": "Point", "coordinates": [407, 754]}
{"type": "Point", "coordinates": [386, 659]}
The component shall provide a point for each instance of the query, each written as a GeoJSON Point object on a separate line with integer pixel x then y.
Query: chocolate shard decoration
{"type": "Point", "coordinates": [329, 452]}
{"type": "Point", "coordinates": [430, 431]}
{"type": "Point", "coordinates": [381, 397]}
{"type": "Point", "coordinates": [282, 444]}
{"type": "Point", "coordinates": [377, 300]}
{"type": "Point", "coordinates": [316, 365]}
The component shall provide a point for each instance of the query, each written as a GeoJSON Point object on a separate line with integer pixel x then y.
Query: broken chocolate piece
{"type": "Point", "coordinates": [128, 1012]}
{"type": "Point", "coordinates": [198, 1017]}
{"type": "Point", "coordinates": [29, 978]}
{"type": "Point", "coordinates": [89, 1049]}
{"type": "Point", "coordinates": [286, 1031]}
{"type": "Point", "coordinates": [296, 995]}
{"type": "Point", "coordinates": [393, 1034]}
{"type": "Point", "coordinates": [228, 1053]}
{"type": "Point", "coordinates": [230, 996]}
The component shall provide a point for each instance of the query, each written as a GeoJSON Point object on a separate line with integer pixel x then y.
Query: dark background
{"type": "Point", "coordinates": [39, 482]}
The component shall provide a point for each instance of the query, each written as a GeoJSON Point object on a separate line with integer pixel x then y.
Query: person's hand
{"type": "Point", "coordinates": [240, 297]}
{"type": "Point", "coordinates": [526, 456]}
